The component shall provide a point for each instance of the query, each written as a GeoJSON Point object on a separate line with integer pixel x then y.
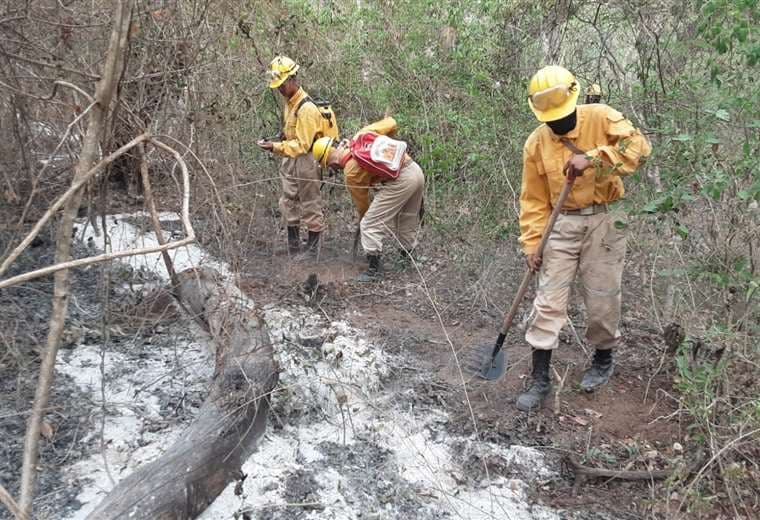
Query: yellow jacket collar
{"type": "Point", "coordinates": [296, 98]}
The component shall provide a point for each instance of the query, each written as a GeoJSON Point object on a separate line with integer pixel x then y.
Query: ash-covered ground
{"type": "Point", "coordinates": [357, 430]}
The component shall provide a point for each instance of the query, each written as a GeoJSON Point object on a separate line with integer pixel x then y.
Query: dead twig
{"type": "Point", "coordinates": [560, 386]}
{"type": "Point", "coordinates": [11, 504]}
{"type": "Point", "coordinates": [73, 189]}
{"type": "Point", "coordinates": [586, 472]}
{"type": "Point", "coordinates": [151, 204]}
{"type": "Point", "coordinates": [184, 217]}
{"type": "Point", "coordinates": [105, 90]}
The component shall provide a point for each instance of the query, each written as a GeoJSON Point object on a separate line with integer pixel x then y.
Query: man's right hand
{"type": "Point", "coordinates": [534, 262]}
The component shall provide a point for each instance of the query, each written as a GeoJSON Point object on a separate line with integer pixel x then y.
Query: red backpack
{"type": "Point", "coordinates": [378, 154]}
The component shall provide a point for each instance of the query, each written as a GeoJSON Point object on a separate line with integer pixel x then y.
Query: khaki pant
{"type": "Point", "coordinates": [301, 200]}
{"type": "Point", "coordinates": [595, 247]}
{"type": "Point", "coordinates": [394, 210]}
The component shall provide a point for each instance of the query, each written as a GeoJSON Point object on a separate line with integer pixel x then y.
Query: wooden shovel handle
{"type": "Point", "coordinates": [528, 276]}
{"type": "Point", "coordinates": [355, 247]}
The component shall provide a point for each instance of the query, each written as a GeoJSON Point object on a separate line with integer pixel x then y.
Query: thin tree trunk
{"type": "Point", "coordinates": [104, 93]}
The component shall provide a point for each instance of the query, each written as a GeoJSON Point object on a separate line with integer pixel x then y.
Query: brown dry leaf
{"type": "Point", "coordinates": [47, 430]}
{"type": "Point", "coordinates": [580, 420]}
{"type": "Point", "coordinates": [592, 413]}
{"type": "Point", "coordinates": [11, 197]}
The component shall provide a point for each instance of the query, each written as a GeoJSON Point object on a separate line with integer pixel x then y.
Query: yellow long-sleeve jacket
{"type": "Point", "coordinates": [616, 148]}
{"type": "Point", "coordinates": [301, 131]}
{"type": "Point", "coordinates": [359, 181]}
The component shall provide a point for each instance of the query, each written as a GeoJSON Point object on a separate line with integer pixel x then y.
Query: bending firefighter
{"type": "Point", "coordinates": [306, 120]}
{"type": "Point", "coordinates": [372, 159]}
{"type": "Point", "coordinates": [598, 146]}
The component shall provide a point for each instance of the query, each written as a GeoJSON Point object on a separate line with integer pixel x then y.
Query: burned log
{"type": "Point", "coordinates": [191, 473]}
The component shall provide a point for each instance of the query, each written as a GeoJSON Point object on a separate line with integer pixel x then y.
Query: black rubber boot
{"type": "Point", "coordinates": [534, 397]}
{"type": "Point", "coordinates": [294, 240]}
{"type": "Point", "coordinates": [600, 372]}
{"type": "Point", "coordinates": [312, 243]}
{"type": "Point", "coordinates": [374, 272]}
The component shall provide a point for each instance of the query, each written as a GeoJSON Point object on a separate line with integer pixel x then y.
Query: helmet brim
{"type": "Point", "coordinates": [553, 114]}
{"type": "Point", "coordinates": [275, 83]}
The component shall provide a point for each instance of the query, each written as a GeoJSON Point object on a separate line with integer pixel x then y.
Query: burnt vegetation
{"type": "Point", "coordinates": [111, 94]}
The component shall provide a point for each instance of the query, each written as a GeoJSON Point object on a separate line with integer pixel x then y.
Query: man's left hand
{"type": "Point", "coordinates": [576, 165]}
{"type": "Point", "coordinates": [265, 145]}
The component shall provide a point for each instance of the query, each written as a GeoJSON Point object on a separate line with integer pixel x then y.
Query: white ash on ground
{"type": "Point", "coordinates": [343, 445]}
{"type": "Point", "coordinates": [133, 231]}
{"type": "Point", "coordinates": [346, 437]}
{"type": "Point", "coordinates": [152, 392]}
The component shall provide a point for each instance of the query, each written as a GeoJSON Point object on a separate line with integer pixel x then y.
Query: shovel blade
{"type": "Point", "coordinates": [486, 366]}
{"type": "Point", "coordinates": [495, 367]}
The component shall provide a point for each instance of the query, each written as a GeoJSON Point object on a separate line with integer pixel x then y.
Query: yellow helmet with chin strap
{"type": "Point", "coordinates": [321, 150]}
{"type": "Point", "coordinates": [553, 93]}
{"type": "Point", "coordinates": [280, 69]}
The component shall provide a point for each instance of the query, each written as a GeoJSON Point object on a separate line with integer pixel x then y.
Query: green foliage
{"type": "Point", "coordinates": [454, 75]}
{"type": "Point", "coordinates": [727, 25]}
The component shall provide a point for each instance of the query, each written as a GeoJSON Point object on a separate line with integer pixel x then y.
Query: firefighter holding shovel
{"type": "Point", "coordinates": [373, 159]}
{"type": "Point", "coordinates": [597, 146]}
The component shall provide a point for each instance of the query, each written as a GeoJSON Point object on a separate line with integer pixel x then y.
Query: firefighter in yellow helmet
{"type": "Point", "coordinates": [395, 209]}
{"type": "Point", "coordinates": [598, 146]}
{"type": "Point", "coordinates": [593, 94]}
{"type": "Point", "coordinates": [304, 123]}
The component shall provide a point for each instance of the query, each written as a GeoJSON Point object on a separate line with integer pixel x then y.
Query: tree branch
{"type": "Point", "coordinates": [184, 218]}
{"type": "Point", "coordinates": [11, 504]}
{"type": "Point", "coordinates": [73, 189]}
{"type": "Point", "coordinates": [104, 93]}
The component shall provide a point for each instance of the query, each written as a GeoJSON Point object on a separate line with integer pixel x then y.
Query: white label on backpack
{"type": "Point", "coordinates": [388, 151]}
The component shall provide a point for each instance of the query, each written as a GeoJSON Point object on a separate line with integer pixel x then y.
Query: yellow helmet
{"type": "Point", "coordinates": [321, 150]}
{"type": "Point", "coordinates": [280, 69]}
{"type": "Point", "coordinates": [553, 93]}
{"type": "Point", "coordinates": [594, 90]}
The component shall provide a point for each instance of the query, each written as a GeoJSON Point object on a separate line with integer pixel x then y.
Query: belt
{"type": "Point", "coordinates": [588, 210]}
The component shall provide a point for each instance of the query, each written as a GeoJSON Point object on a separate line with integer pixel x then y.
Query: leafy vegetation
{"type": "Point", "coordinates": [454, 74]}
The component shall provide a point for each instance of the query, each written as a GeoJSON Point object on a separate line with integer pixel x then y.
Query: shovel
{"type": "Point", "coordinates": [490, 363]}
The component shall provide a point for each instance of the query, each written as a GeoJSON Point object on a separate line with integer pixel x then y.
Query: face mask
{"type": "Point", "coordinates": [564, 125]}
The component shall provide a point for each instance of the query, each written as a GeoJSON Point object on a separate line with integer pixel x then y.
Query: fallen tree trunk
{"type": "Point", "coordinates": [191, 473]}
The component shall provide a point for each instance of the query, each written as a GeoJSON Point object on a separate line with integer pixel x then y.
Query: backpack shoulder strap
{"type": "Point", "coordinates": [345, 159]}
{"type": "Point", "coordinates": [301, 103]}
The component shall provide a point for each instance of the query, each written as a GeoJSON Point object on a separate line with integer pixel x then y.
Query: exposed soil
{"type": "Point", "coordinates": [427, 318]}
{"type": "Point", "coordinates": [628, 424]}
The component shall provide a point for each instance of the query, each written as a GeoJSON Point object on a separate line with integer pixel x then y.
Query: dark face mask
{"type": "Point", "coordinates": [564, 125]}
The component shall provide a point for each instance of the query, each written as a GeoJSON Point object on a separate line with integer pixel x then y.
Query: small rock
{"type": "Point", "coordinates": [580, 420]}
{"type": "Point", "coordinates": [677, 447]}
{"type": "Point", "coordinates": [592, 413]}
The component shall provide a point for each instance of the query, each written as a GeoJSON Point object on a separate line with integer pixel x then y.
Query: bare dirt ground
{"type": "Point", "coordinates": [429, 314]}
{"type": "Point", "coordinates": [437, 310]}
